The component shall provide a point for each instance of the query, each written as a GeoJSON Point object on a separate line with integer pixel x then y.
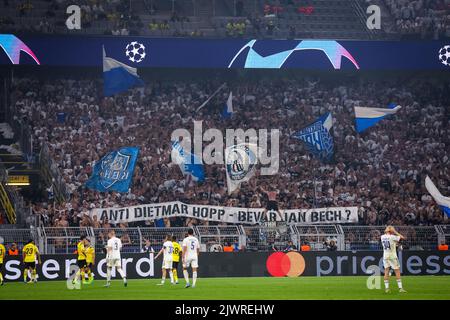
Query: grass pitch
{"type": "Point", "coordinates": [325, 288]}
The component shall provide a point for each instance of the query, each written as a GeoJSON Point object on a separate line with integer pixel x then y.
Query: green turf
{"type": "Point", "coordinates": [418, 287]}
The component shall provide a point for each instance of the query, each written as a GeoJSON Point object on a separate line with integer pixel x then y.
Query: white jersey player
{"type": "Point", "coordinates": [167, 251]}
{"type": "Point", "coordinates": [389, 241]}
{"type": "Point", "coordinates": [113, 258]}
{"type": "Point", "coordinates": [191, 250]}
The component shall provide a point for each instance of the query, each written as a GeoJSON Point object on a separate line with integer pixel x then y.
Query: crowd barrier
{"type": "Point", "coordinates": [246, 264]}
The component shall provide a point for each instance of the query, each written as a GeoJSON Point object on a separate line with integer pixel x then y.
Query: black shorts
{"type": "Point", "coordinates": [1, 267]}
{"type": "Point", "coordinates": [89, 264]}
{"type": "Point", "coordinates": [29, 265]}
{"type": "Point", "coordinates": [81, 263]}
{"type": "Point", "coordinates": [272, 205]}
{"type": "Point", "coordinates": [175, 265]}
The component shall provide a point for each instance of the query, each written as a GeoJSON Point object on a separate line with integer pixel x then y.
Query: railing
{"type": "Point", "coordinates": [317, 236]}
{"type": "Point", "coordinates": [52, 175]}
{"type": "Point", "coordinates": [249, 238]}
{"type": "Point", "coordinates": [18, 236]}
{"type": "Point", "coordinates": [11, 200]}
{"type": "Point", "coordinates": [63, 240]}
{"type": "Point", "coordinates": [22, 133]}
{"type": "Point", "coordinates": [213, 238]}
{"type": "Point", "coordinates": [368, 237]}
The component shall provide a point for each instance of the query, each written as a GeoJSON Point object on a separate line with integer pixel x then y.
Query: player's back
{"type": "Point", "coordinates": [81, 250]}
{"type": "Point", "coordinates": [176, 251]}
{"type": "Point", "coordinates": [2, 252]}
{"type": "Point", "coordinates": [116, 245]}
{"type": "Point", "coordinates": [30, 251]}
{"type": "Point", "coordinates": [168, 250]}
{"type": "Point", "coordinates": [90, 252]}
{"type": "Point", "coordinates": [389, 243]}
{"type": "Point", "coordinates": [192, 245]}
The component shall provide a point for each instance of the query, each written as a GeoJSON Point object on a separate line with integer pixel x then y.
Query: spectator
{"type": "Point", "coordinates": [13, 250]}
{"type": "Point", "coordinates": [227, 247]}
{"type": "Point", "coordinates": [331, 246]}
{"type": "Point", "coordinates": [443, 246]}
{"type": "Point", "coordinates": [305, 247]}
{"type": "Point", "coordinates": [147, 248]}
{"type": "Point", "coordinates": [290, 247]}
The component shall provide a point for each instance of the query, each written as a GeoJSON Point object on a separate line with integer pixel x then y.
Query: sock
{"type": "Point", "coordinates": [171, 276]}
{"type": "Point", "coordinates": [163, 279]}
{"type": "Point", "coordinates": [1, 277]}
{"type": "Point", "coordinates": [82, 275]}
{"type": "Point", "coordinates": [186, 276]}
{"type": "Point", "coordinates": [386, 284]}
{"type": "Point", "coordinates": [89, 274]}
{"type": "Point", "coordinates": [77, 275]}
{"type": "Point", "coordinates": [108, 274]}
{"type": "Point", "coordinates": [33, 274]}
{"type": "Point", "coordinates": [120, 271]}
{"type": "Point", "coordinates": [25, 275]}
{"type": "Point", "coordinates": [175, 275]}
{"type": "Point", "coordinates": [194, 277]}
{"type": "Point", "coordinates": [399, 283]}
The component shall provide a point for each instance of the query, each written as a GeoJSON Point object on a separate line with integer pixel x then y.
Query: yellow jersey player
{"type": "Point", "coordinates": [29, 254]}
{"type": "Point", "coordinates": [90, 260]}
{"type": "Point", "coordinates": [2, 258]}
{"type": "Point", "coordinates": [81, 259]}
{"type": "Point", "coordinates": [176, 258]}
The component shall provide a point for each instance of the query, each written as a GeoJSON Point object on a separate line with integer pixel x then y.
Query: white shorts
{"type": "Point", "coordinates": [193, 262]}
{"type": "Point", "coordinates": [392, 263]}
{"type": "Point", "coordinates": [114, 263]}
{"type": "Point", "coordinates": [167, 264]}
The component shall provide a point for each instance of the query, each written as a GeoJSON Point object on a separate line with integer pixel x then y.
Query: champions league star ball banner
{"type": "Point", "coordinates": [63, 50]}
{"type": "Point", "coordinates": [150, 212]}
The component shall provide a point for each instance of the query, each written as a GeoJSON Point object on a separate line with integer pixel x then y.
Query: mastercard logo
{"type": "Point", "coordinates": [280, 264]}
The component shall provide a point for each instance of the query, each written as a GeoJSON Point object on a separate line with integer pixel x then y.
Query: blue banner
{"type": "Point", "coordinates": [114, 171]}
{"type": "Point", "coordinates": [318, 138]}
{"type": "Point", "coordinates": [142, 52]}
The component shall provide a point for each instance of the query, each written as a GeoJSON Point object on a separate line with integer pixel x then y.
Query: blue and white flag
{"type": "Point", "coordinates": [443, 202]}
{"type": "Point", "coordinates": [227, 111]}
{"type": "Point", "coordinates": [368, 117]}
{"type": "Point", "coordinates": [240, 164]}
{"type": "Point", "coordinates": [118, 77]}
{"type": "Point", "coordinates": [318, 137]}
{"type": "Point", "coordinates": [114, 171]}
{"type": "Point", "coordinates": [188, 162]}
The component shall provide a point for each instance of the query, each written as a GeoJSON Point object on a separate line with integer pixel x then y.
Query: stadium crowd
{"type": "Point", "coordinates": [424, 18]}
{"type": "Point", "coordinates": [381, 171]}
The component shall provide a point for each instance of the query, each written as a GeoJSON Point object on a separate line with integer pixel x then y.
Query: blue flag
{"type": "Point", "coordinates": [368, 117]}
{"type": "Point", "coordinates": [118, 77]}
{"type": "Point", "coordinates": [318, 138]}
{"type": "Point", "coordinates": [227, 111]}
{"type": "Point", "coordinates": [188, 162]}
{"type": "Point", "coordinates": [114, 171]}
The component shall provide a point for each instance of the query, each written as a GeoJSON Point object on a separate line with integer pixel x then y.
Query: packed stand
{"type": "Point", "coordinates": [381, 171]}
{"type": "Point", "coordinates": [421, 18]}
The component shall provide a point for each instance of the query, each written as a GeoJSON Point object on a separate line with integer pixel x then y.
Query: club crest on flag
{"type": "Point", "coordinates": [114, 171]}
{"type": "Point", "coordinates": [317, 137]}
{"type": "Point", "coordinates": [240, 162]}
{"type": "Point", "coordinates": [114, 168]}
